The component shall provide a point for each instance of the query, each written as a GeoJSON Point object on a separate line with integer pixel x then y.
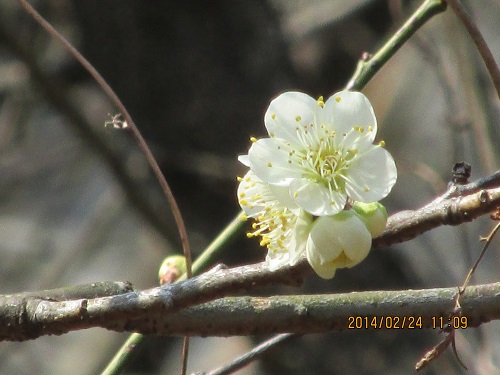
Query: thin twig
{"type": "Point", "coordinates": [59, 98]}
{"type": "Point", "coordinates": [185, 353]}
{"type": "Point", "coordinates": [479, 41]}
{"type": "Point", "coordinates": [449, 339]}
{"type": "Point", "coordinates": [137, 135]}
{"type": "Point", "coordinates": [479, 258]}
{"type": "Point", "coordinates": [130, 122]}
{"type": "Point", "coordinates": [251, 356]}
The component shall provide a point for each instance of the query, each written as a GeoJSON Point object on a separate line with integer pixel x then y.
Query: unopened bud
{"type": "Point", "coordinates": [374, 215]}
{"type": "Point", "coordinates": [171, 269]}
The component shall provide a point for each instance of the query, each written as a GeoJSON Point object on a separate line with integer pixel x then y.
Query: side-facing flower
{"type": "Point", "coordinates": [337, 241]}
{"type": "Point", "coordinates": [345, 239]}
{"type": "Point", "coordinates": [278, 222]}
{"type": "Point", "coordinates": [323, 152]}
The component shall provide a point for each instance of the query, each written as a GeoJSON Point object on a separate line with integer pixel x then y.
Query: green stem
{"type": "Point", "coordinates": [369, 65]}
{"type": "Point", "coordinates": [129, 348]}
{"type": "Point", "coordinates": [229, 233]}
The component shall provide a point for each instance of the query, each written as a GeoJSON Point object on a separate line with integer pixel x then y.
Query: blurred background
{"type": "Point", "coordinates": [78, 203]}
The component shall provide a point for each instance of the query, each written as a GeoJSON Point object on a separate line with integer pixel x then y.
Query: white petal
{"type": "Point", "coordinates": [371, 176]}
{"type": "Point", "coordinates": [270, 163]}
{"type": "Point", "coordinates": [276, 260]}
{"type": "Point", "coordinates": [315, 197]}
{"type": "Point", "coordinates": [300, 236]}
{"type": "Point", "coordinates": [324, 271]}
{"type": "Point", "coordinates": [282, 194]}
{"type": "Point", "coordinates": [286, 112]}
{"type": "Point", "coordinates": [244, 159]}
{"type": "Point", "coordinates": [323, 244]}
{"type": "Point", "coordinates": [250, 187]}
{"type": "Point", "coordinates": [337, 241]}
{"type": "Point", "coordinates": [355, 240]}
{"type": "Point", "coordinates": [347, 109]}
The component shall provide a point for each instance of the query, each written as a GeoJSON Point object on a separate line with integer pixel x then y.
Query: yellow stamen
{"type": "Point", "coordinates": [321, 102]}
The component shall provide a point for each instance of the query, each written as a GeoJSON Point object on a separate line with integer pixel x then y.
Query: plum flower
{"type": "Point", "coordinates": [323, 152]}
{"type": "Point", "coordinates": [275, 223]}
{"type": "Point", "coordinates": [289, 232]}
{"type": "Point", "coordinates": [343, 240]}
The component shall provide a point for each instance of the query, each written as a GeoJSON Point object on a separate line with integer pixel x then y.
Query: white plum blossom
{"type": "Point", "coordinates": [288, 232]}
{"type": "Point", "coordinates": [323, 152]}
{"type": "Point", "coordinates": [313, 185]}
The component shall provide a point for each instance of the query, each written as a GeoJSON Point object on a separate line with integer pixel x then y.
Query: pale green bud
{"type": "Point", "coordinates": [373, 215]}
{"type": "Point", "coordinates": [171, 269]}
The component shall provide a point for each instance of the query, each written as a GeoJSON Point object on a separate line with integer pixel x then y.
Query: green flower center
{"type": "Point", "coordinates": [329, 166]}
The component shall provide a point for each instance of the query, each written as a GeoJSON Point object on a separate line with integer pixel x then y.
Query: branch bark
{"type": "Point", "coordinates": [452, 210]}
{"type": "Point", "coordinates": [24, 317]}
{"type": "Point", "coordinates": [302, 314]}
{"type": "Point", "coordinates": [28, 318]}
{"type": "Point", "coordinates": [305, 314]}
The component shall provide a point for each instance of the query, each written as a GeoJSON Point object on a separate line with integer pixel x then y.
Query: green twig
{"type": "Point", "coordinates": [369, 65]}
{"type": "Point", "coordinates": [129, 348]}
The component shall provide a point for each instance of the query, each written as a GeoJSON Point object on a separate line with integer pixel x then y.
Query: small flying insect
{"type": "Point", "coordinates": [116, 121]}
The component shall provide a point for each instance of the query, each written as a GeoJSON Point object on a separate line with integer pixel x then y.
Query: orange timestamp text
{"type": "Point", "coordinates": [385, 322]}
{"type": "Point", "coordinates": [406, 322]}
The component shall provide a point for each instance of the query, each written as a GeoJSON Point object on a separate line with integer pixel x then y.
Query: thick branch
{"type": "Point", "coordinates": [407, 309]}
{"type": "Point", "coordinates": [305, 314]}
{"type": "Point", "coordinates": [34, 316]}
{"type": "Point", "coordinates": [93, 290]}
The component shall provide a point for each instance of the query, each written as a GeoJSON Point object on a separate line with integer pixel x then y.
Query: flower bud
{"type": "Point", "coordinates": [373, 215]}
{"type": "Point", "coordinates": [171, 269]}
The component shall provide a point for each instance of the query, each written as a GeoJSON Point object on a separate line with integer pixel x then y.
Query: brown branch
{"type": "Point", "coordinates": [34, 317]}
{"type": "Point", "coordinates": [28, 318]}
{"type": "Point", "coordinates": [303, 314]}
{"type": "Point", "coordinates": [406, 225]}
